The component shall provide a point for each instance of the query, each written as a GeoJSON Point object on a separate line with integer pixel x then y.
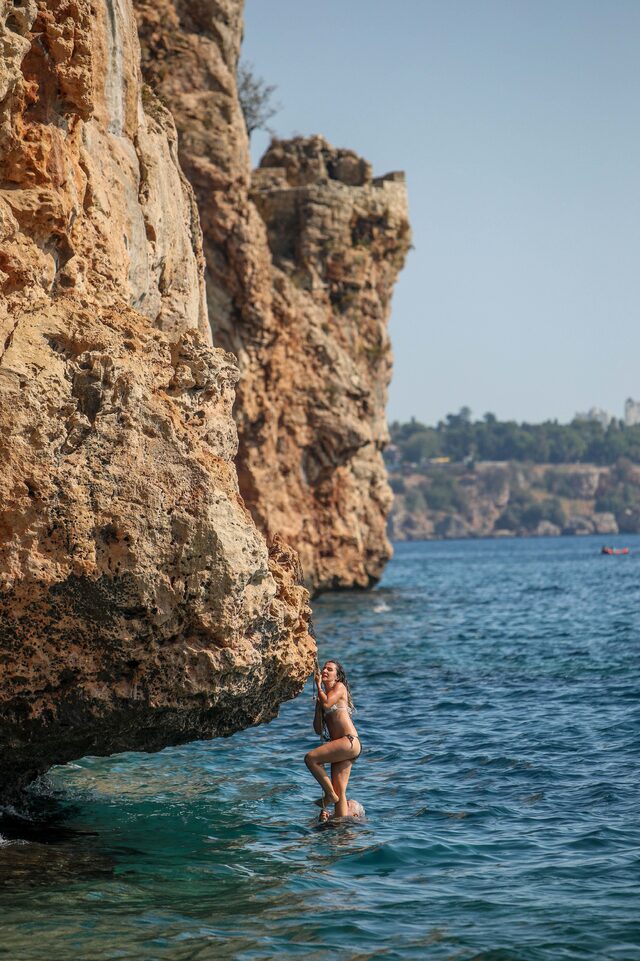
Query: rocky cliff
{"type": "Point", "coordinates": [301, 261]}
{"type": "Point", "coordinates": [502, 499]}
{"type": "Point", "coordinates": [139, 605]}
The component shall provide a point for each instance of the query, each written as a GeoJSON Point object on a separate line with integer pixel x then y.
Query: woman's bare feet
{"type": "Point", "coordinates": [325, 801]}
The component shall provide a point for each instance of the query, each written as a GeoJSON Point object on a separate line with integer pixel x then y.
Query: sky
{"type": "Point", "coordinates": [517, 124]}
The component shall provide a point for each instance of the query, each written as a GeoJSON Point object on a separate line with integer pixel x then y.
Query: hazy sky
{"type": "Point", "coordinates": [516, 122]}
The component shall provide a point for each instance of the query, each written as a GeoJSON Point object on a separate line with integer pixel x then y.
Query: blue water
{"type": "Point", "coordinates": [497, 688]}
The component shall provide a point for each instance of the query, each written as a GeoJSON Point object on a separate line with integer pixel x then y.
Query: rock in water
{"type": "Point", "coordinates": [139, 605]}
{"type": "Point", "coordinates": [300, 271]}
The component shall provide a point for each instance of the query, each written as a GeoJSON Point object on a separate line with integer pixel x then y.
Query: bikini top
{"type": "Point", "coordinates": [335, 708]}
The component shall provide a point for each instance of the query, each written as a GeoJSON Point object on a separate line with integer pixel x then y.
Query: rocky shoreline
{"type": "Point", "coordinates": [508, 498]}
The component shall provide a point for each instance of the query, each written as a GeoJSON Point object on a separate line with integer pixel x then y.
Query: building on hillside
{"type": "Point", "coordinates": [631, 412]}
{"type": "Point", "coordinates": [598, 414]}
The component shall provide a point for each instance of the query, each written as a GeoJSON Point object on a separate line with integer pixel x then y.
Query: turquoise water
{"type": "Point", "coordinates": [497, 687]}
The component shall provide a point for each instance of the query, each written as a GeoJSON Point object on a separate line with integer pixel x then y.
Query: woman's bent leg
{"type": "Point", "coordinates": [340, 771]}
{"type": "Point", "coordinates": [329, 753]}
{"type": "Point", "coordinates": [319, 773]}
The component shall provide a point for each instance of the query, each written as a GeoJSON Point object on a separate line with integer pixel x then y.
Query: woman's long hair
{"type": "Point", "coordinates": [341, 675]}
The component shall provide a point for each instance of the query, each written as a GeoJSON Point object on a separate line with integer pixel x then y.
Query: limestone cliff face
{"type": "Point", "coordinates": [139, 605]}
{"type": "Point", "coordinates": [337, 238]}
{"type": "Point", "coordinates": [93, 198]}
{"type": "Point", "coordinates": [301, 263]}
{"type": "Point", "coordinates": [510, 498]}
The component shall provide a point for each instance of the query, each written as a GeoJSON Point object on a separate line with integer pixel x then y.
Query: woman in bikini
{"type": "Point", "coordinates": [333, 712]}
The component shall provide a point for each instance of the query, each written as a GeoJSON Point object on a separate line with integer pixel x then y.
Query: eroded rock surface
{"type": "Point", "coordinates": [338, 238]}
{"type": "Point", "coordinates": [301, 264]}
{"type": "Point", "coordinates": [139, 605]}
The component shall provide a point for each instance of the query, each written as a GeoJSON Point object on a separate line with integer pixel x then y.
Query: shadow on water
{"type": "Point", "coordinates": [38, 845]}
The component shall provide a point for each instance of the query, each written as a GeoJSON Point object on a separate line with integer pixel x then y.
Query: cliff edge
{"type": "Point", "coordinates": [139, 604]}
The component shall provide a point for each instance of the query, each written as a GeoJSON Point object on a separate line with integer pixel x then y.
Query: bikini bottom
{"type": "Point", "coordinates": [352, 738]}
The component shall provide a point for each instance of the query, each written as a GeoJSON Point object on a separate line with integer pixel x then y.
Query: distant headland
{"type": "Point", "coordinates": [487, 478]}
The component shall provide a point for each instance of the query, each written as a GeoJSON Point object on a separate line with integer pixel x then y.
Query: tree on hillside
{"type": "Point", "coordinates": [256, 99]}
{"type": "Point", "coordinates": [420, 446]}
{"type": "Point", "coordinates": [458, 437]}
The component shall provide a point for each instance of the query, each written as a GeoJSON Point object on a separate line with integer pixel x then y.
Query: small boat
{"type": "Point", "coordinates": [614, 550]}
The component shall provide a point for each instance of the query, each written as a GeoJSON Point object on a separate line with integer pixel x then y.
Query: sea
{"type": "Point", "coordinates": [497, 692]}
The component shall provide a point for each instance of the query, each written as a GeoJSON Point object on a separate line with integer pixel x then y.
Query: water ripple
{"type": "Point", "coordinates": [497, 688]}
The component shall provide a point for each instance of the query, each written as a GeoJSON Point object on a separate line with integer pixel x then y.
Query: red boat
{"type": "Point", "coordinates": [615, 550]}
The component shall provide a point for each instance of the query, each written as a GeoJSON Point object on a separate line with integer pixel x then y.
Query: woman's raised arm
{"type": "Point", "coordinates": [336, 692]}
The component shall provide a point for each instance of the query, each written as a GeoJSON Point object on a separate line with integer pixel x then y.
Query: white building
{"type": "Point", "coordinates": [631, 412]}
{"type": "Point", "coordinates": [601, 416]}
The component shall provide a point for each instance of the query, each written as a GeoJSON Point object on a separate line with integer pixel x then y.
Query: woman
{"type": "Point", "coordinates": [333, 712]}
